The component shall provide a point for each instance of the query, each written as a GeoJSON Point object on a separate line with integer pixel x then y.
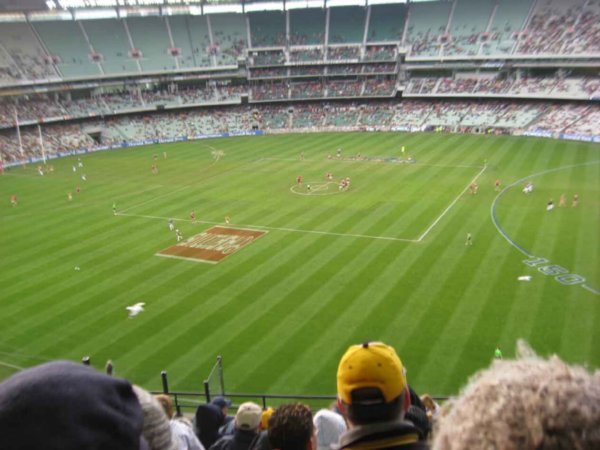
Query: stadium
{"type": "Point", "coordinates": [278, 180]}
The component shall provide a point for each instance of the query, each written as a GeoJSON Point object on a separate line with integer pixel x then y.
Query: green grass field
{"type": "Point", "coordinates": [385, 260]}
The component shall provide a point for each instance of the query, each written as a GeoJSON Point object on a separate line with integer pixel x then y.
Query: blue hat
{"type": "Point", "coordinates": [221, 402]}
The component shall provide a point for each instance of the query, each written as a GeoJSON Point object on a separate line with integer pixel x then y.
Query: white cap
{"type": "Point", "coordinates": [248, 416]}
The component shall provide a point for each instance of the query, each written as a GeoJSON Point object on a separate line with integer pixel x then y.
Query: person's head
{"type": "Point", "coordinates": [264, 420]}
{"type": "Point", "coordinates": [157, 430]}
{"type": "Point", "coordinates": [371, 384]}
{"type": "Point", "coordinates": [66, 406]}
{"type": "Point", "coordinates": [223, 403]}
{"type": "Point", "coordinates": [429, 402]}
{"type": "Point", "coordinates": [291, 428]}
{"type": "Point", "coordinates": [248, 416]}
{"type": "Point", "coordinates": [166, 403]}
{"type": "Point", "coordinates": [528, 403]}
{"type": "Point", "coordinates": [329, 426]}
{"type": "Point", "coordinates": [208, 419]}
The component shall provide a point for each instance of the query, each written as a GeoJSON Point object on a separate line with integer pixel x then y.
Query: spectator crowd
{"type": "Point", "coordinates": [528, 403]}
{"type": "Point", "coordinates": [387, 114]}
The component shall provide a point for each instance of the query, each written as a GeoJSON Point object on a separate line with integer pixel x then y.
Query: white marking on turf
{"type": "Point", "coordinates": [206, 261]}
{"type": "Point", "coordinates": [520, 181]}
{"type": "Point", "coordinates": [448, 166]}
{"type": "Point", "coordinates": [318, 186]}
{"type": "Point", "coordinates": [12, 366]}
{"type": "Point", "coordinates": [294, 230]}
{"type": "Point", "coordinates": [591, 289]}
{"type": "Point", "coordinates": [445, 211]}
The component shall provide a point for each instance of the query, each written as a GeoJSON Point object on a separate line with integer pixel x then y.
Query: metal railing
{"type": "Point", "coordinates": [189, 401]}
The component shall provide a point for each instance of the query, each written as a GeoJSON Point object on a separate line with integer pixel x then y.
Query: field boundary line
{"type": "Point", "coordinates": [464, 166]}
{"type": "Point", "coordinates": [263, 227]}
{"type": "Point", "coordinates": [495, 221]}
{"type": "Point", "coordinates": [203, 261]}
{"type": "Point", "coordinates": [445, 211]}
{"type": "Point", "coordinates": [12, 366]}
{"type": "Point", "coordinates": [591, 289]}
{"type": "Point", "coordinates": [505, 235]}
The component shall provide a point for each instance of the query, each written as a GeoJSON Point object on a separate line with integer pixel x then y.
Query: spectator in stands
{"type": "Point", "coordinates": [418, 416]}
{"type": "Point", "coordinates": [207, 421]}
{"type": "Point", "coordinates": [223, 404]}
{"type": "Point", "coordinates": [157, 430]}
{"type": "Point", "coordinates": [373, 395]}
{"type": "Point", "coordinates": [528, 403]}
{"type": "Point", "coordinates": [291, 428]}
{"type": "Point", "coordinates": [330, 426]}
{"type": "Point", "coordinates": [66, 406]}
{"type": "Point", "coordinates": [181, 428]}
{"type": "Point", "coordinates": [264, 420]}
{"type": "Point", "coordinates": [261, 441]}
{"type": "Point", "coordinates": [431, 406]}
{"type": "Point", "coordinates": [247, 421]}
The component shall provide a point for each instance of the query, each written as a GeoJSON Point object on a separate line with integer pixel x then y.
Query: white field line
{"type": "Point", "coordinates": [12, 366]}
{"type": "Point", "coordinates": [520, 181]}
{"type": "Point", "coordinates": [205, 261]}
{"type": "Point", "coordinates": [296, 230]}
{"type": "Point", "coordinates": [591, 289]}
{"type": "Point", "coordinates": [448, 165]}
{"type": "Point", "coordinates": [293, 230]}
{"type": "Point", "coordinates": [435, 222]}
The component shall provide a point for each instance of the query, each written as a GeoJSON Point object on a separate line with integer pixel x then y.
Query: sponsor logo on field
{"type": "Point", "coordinates": [212, 245]}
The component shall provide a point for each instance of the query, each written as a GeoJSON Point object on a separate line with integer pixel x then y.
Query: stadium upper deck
{"type": "Point", "coordinates": [77, 44]}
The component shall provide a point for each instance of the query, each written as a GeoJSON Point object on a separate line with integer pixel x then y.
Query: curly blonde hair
{"type": "Point", "coordinates": [525, 404]}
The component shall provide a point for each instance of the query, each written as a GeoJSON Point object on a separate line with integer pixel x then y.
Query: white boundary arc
{"type": "Point", "coordinates": [317, 187]}
{"type": "Point", "coordinates": [520, 181]}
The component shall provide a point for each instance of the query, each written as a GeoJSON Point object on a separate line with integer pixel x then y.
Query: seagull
{"type": "Point", "coordinates": [135, 309]}
{"type": "Point", "coordinates": [524, 278]}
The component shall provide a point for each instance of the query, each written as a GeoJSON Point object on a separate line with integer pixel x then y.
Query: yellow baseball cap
{"type": "Point", "coordinates": [370, 365]}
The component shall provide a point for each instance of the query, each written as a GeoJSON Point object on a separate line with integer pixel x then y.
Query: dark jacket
{"type": "Point", "coordinates": [229, 427]}
{"type": "Point", "coordinates": [261, 442]}
{"type": "Point", "coordinates": [207, 421]}
{"type": "Point", "coordinates": [239, 440]}
{"type": "Point", "coordinates": [382, 435]}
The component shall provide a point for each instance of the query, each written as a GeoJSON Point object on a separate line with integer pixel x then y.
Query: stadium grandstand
{"type": "Point", "coordinates": [107, 78]}
{"type": "Point", "coordinates": [67, 63]}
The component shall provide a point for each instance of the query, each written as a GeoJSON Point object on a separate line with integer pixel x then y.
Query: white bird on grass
{"type": "Point", "coordinates": [524, 278]}
{"type": "Point", "coordinates": [135, 309]}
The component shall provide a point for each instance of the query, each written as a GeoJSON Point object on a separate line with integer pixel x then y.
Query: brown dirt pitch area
{"type": "Point", "coordinates": [212, 245]}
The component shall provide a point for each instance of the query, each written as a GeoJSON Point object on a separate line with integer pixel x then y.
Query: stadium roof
{"type": "Point", "coordinates": [22, 5]}
{"type": "Point", "coordinates": [40, 5]}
